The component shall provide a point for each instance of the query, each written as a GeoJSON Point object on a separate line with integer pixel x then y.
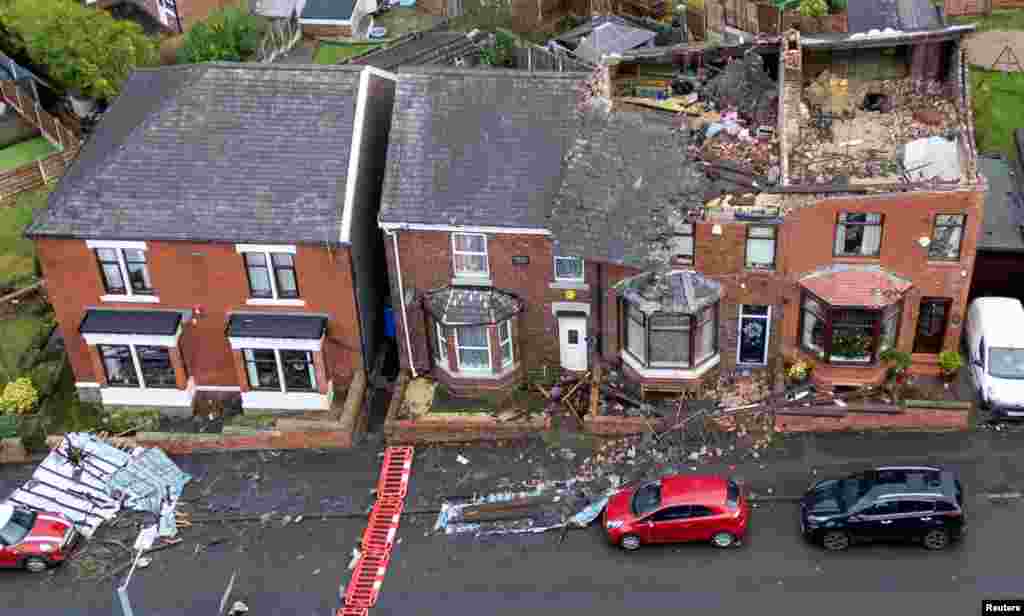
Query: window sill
{"type": "Point", "coordinates": [259, 301]}
{"type": "Point", "coordinates": [478, 374]}
{"type": "Point", "coordinates": [472, 281]}
{"type": "Point", "coordinates": [131, 299]}
{"type": "Point", "coordinates": [574, 285]}
{"type": "Point", "coordinates": [944, 263]}
{"type": "Point", "coordinates": [671, 373]}
{"type": "Point", "coordinates": [150, 396]}
{"type": "Point", "coordinates": [856, 259]}
{"type": "Point", "coordinates": [278, 400]}
{"type": "Point", "coordinates": [759, 270]}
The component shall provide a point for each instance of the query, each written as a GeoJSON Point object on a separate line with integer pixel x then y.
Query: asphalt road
{"type": "Point", "coordinates": [298, 568]}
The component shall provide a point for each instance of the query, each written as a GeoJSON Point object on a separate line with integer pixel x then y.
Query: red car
{"type": "Point", "coordinates": [33, 541]}
{"type": "Point", "coordinates": [678, 508]}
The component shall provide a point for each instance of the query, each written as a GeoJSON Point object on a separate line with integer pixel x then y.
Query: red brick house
{"type": "Point", "coordinates": [217, 234]}
{"type": "Point", "coordinates": [525, 231]}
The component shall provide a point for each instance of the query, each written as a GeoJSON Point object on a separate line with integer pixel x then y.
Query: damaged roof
{"type": "Point", "coordinates": [905, 15]}
{"type": "Point", "coordinates": [672, 291]}
{"type": "Point", "coordinates": [844, 284]}
{"type": "Point", "coordinates": [477, 147]}
{"type": "Point", "coordinates": [217, 151]}
{"type": "Point", "coordinates": [628, 185]}
{"type": "Point", "coordinates": [612, 38]}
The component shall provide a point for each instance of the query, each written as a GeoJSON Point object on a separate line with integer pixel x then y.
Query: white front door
{"type": "Point", "coordinates": [572, 335]}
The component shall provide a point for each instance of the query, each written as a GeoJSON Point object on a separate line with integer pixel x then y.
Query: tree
{"type": "Point", "coordinates": [813, 8]}
{"type": "Point", "coordinates": [228, 34]}
{"type": "Point", "coordinates": [82, 49]}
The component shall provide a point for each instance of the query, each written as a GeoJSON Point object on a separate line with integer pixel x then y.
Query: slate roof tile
{"type": "Point", "coordinates": [229, 152]}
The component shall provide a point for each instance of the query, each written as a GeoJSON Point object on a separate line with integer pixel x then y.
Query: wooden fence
{"type": "Point", "coordinates": [35, 174]}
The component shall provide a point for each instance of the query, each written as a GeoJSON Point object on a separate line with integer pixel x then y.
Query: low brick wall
{"type": "Point", "coordinates": [319, 31]}
{"type": "Point", "coordinates": [603, 425]}
{"type": "Point", "coordinates": [455, 429]}
{"type": "Point", "coordinates": [916, 419]}
{"type": "Point", "coordinates": [174, 443]}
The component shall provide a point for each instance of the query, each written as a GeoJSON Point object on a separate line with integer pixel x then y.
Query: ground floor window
{"type": "Point", "coordinates": [847, 335]}
{"type": "Point", "coordinates": [280, 370]}
{"type": "Point", "coordinates": [473, 345]}
{"type": "Point", "coordinates": [671, 340]}
{"type": "Point", "coordinates": [128, 365]}
{"type": "Point", "coordinates": [476, 346]}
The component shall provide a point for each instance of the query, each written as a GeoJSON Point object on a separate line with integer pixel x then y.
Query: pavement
{"type": "Point", "coordinates": [297, 565]}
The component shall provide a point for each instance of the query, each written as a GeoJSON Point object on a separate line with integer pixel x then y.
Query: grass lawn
{"type": "Point", "coordinates": [998, 107]}
{"type": "Point", "coordinates": [1008, 19]}
{"type": "Point", "coordinates": [334, 53]}
{"type": "Point", "coordinates": [25, 152]}
{"type": "Point", "coordinates": [17, 253]}
{"type": "Point", "coordinates": [402, 20]}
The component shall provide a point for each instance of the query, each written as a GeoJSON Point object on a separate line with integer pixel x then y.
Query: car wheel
{"type": "Point", "coordinates": [835, 541]}
{"type": "Point", "coordinates": [35, 564]}
{"type": "Point", "coordinates": [630, 542]}
{"type": "Point", "coordinates": [723, 540]}
{"type": "Point", "coordinates": [936, 539]}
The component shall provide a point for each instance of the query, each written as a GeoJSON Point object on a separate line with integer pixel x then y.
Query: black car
{"type": "Point", "coordinates": [888, 503]}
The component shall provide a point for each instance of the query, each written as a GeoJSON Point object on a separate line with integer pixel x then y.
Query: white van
{"type": "Point", "coordinates": [995, 350]}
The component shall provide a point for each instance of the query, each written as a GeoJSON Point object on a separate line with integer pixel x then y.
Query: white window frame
{"type": "Point", "coordinates": [129, 294]}
{"type": "Point", "coordinates": [767, 319]}
{"type": "Point", "coordinates": [442, 343]}
{"type": "Point", "coordinates": [507, 340]}
{"type": "Point", "coordinates": [458, 356]}
{"type": "Point", "coordinates": [280, 370]}
{"type": "Point", "coordinates": [136, 363]}
{"type": "Point", "coordinates": [579, 278]}
{"type": "Point", "coordinates": [275, 299]}
{"type": "Point", "coordinates": [455, 252]}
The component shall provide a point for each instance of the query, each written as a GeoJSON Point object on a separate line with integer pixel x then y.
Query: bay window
{"type": "Point", "coordinates": [505, 342]}
{"type": "Point", "coordinates": [847, 335]}
{"type": "Point", "coordinates": [671, 340]}
{"type": "Point", "coordinates": [129, 365]}
{"type": "Point", "coordinates": [473, 348]}
{"type": "Point", "coordinates": [280, 370]}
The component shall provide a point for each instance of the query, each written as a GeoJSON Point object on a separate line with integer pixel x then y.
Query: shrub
{"type": "Point", "coordinates": [813, 8]}
{"type": "Point", "coordinates": [20, 397]}
{"type": "Point", "coordinates": [950, 361]}
{"type": "Point", "coordinates": [32, 432]}
{"type": "Point", "coordinates": [227, 35]}
{"type": "Point", "coordinates": [838, 6]}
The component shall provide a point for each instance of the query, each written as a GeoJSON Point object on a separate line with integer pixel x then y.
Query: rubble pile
{"type": "Point", "coordinates": [854, 130]}
{"type": "Point", "coordinates": [745, 86]}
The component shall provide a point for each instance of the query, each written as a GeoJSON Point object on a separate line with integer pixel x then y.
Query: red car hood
{"type": "Point", "coordinates": [620, 505]}
{"type": "Point", "coordinates": [48, 528]}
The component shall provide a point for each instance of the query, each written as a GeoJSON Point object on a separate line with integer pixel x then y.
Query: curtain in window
{"type": "Point", "coordinates": [117, 360]}
{"type": "Point", "coordinates": [871, 240]}
{"type": "Point", "coordinates": [889, 330]}
{"type": "Point", "coordinates": [636, 336]}
{"type": "Point", "coordinates": [442, 343]}
{"type": "Point", "coordinates": [706, 346]}
{"type": "Point", "coordinates": [299, 370]}
{"type": "Point", "coordinates": [474, 347]}
{"type": "Point", "coordinates": [840, 239]}
{"type": "Point", "coordinates": [505, 339]}
{"type": "Point", "coordinates": [138, 273]}
{"type": "Point", "coordinates": [813, 335]}
{"type": "Point", "coordinates": [470, 263]}
{"type": "Point", "coordinates": [760, 252]}
{"type": "Point", "coordinates": [261, 367]}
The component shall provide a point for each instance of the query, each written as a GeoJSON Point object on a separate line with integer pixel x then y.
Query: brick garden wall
{"type": "Point", "coordinates": [310, 31]}
{"type": "Point", "coordinates": [210, 275]}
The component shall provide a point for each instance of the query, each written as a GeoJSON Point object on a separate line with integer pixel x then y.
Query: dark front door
{"type": "Point", "coordinates": [931, 325]}
{"type": "Point", "coordinates": [755, 323]}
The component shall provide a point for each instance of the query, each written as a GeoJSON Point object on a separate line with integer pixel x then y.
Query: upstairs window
{"type": "Point", "coordinates": [858, 235]}
{"type": "Point", "coordinates": [683, 245]}
{"type": "Point", "coordinates": [761, 247]}
{"type": "Point", "coordinates": [271, 275]}
{"type": "Point", "coordinates": [568, 269]}
{"type": "Point", "coordinates": [947, 235]}
{"type": "Point", "coordinates": [469, 255]}
{"type": "Point", "coordinates": [124, 271]}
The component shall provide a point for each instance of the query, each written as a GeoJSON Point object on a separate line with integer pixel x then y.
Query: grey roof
{"type": "Point", "coordinates": [612, 38]}
{"type": "Point", "coordinates": [422, 48]}
{"type": "Point", "coordinates": [477, 147]}
{"type": "Point", "coordinates": [674, 291]}
{"type": "Point", "coordinates": [328, 9]}
{"type": "Point", "coordinates": [905, 15]}
{"type": "Point", "coordinates": [471, 305]}
{"type": "Point", "coordinates": [627, 187]}
{"type": "Point", "coordinates": [229, 152]}
{"type": "Point", "coordinates": [1003, 211]}
{"type": "Point", "coordinates": [145, 322]}
{"type": "Point", "coordinates": [573, 36]}
{"type": "Point", "coordinates": [290, 326]}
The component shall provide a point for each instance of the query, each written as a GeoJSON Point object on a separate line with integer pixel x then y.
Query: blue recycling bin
{"type": "Point", "coordinates": [389, 321]}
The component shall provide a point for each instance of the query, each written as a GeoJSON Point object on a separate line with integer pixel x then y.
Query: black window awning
{"type": "Point", "coordinates": [138, 322]}
{"type": "Point", "coordinates": [296, 327]}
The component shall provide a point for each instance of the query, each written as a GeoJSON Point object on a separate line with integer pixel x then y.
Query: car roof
{"type": "Point", "coordinates": [996, 313]}
{"type": "Point", "coordinates": [914, 482]}
{"type": "Point", "coordinates": [693, 489]}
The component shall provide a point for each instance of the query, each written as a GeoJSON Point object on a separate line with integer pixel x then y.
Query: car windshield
{"type": "Point", "coordinates": [647, 498]}
{"type": "Point", "coordinates": [1006, 363]}
{"type": "Point", "coordinates": [18, 527]}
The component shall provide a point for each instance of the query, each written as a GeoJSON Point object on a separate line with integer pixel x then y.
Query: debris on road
{"type": "Point", "coordinates": [462, 460]}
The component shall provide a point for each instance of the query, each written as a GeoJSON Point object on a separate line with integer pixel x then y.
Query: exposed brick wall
{"type": "Point", "coordinates": [929, 420]}
{"type": "Point", "coordinates": [460, 430]}
{"type": "Point", "coordinates": [212, 276]}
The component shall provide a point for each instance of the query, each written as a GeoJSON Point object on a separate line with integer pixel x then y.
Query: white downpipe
{"type": "Point", "coordinates": [401, 298]}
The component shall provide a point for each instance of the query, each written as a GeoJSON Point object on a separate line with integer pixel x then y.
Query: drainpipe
{"type": "Point", "coordinates": [401, 298]}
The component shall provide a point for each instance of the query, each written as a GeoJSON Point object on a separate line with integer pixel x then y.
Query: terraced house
{"type": "Point", "coordinates": [217, 237]}
{"type": "Point", "coordinates": [528, 230]}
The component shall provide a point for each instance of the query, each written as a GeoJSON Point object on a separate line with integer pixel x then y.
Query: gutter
{"type": "Point", "coordinates": [401, 298]}
{"type": "Point", "coordinates": [886, 40]}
